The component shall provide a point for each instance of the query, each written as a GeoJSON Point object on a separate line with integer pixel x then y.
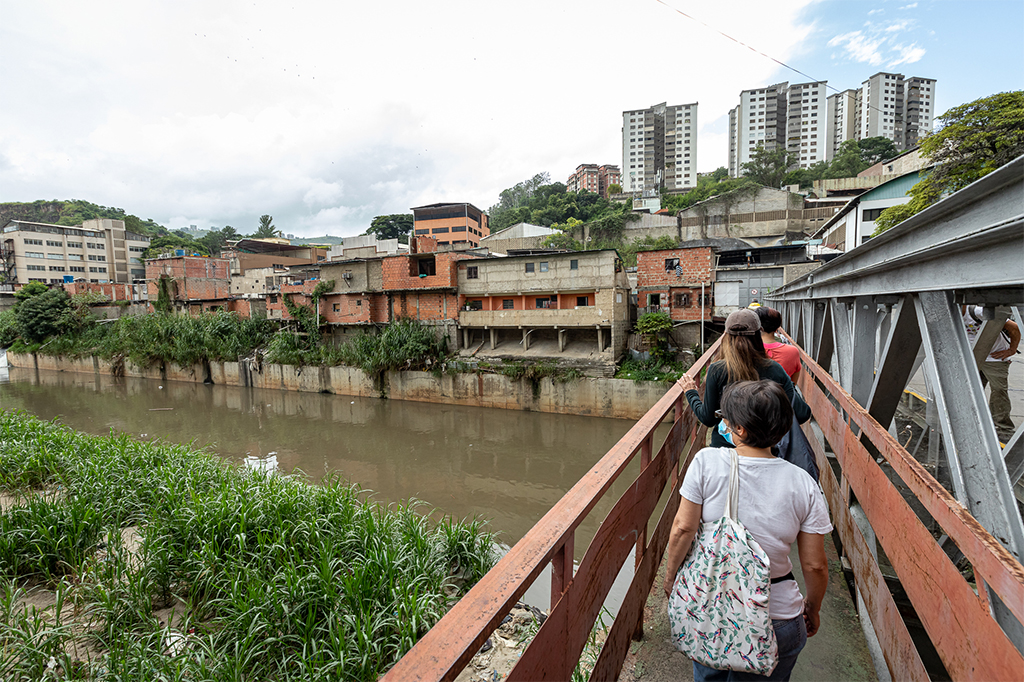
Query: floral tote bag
{"type": "Point", "coordinates": [718, 609]}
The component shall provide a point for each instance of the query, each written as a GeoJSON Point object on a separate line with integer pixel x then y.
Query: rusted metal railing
{"type": "Point", "coordinates": [576, 598]}
{"type": "Point", "coordinates": [956, 615]}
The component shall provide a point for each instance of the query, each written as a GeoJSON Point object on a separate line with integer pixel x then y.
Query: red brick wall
{"type": "Point", "coordinates": [196, 278]}
{"type": "Point", "coordinates": [652, 278]}
{"type": "Point", "coordinates": [351, 308]}
{"type": "Point", "coordinates": [426, 305]}
{"type": "Point", "coordinates": [396, 271]}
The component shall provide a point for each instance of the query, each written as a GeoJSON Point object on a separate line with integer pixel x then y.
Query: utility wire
{"type": "Point", "coordinates": [768, 56]}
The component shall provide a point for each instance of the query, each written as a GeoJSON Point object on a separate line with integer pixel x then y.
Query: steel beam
{"type": "Point", "coordinates": [842, 339]}
{"type": "Point", "coordinates": [980, 479]}
{"type": "Point", "coordinates": [862, 351]}
{"type": "Point", "coordinates": [897, 363]}
{"type": "Point", "coordinates": [988, 334]}
{"type": "Point", "coordinates": [807, 326]}
{"type": "Point", "coordinates": [824, 345]}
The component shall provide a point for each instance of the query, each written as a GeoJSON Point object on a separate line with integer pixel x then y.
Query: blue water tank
{"type": "Point", "coordinates": [179, 252]}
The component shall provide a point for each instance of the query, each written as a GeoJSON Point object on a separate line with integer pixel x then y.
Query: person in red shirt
{"type": "Point", "coordinates": [786, 355]}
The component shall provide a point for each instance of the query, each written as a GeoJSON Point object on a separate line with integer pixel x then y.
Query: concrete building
{"type": "Point", "coordinates": [766, 217]}
{"type": "Point", "coordinates": [855, 222]}
{"type": "Point", "coordinates": [759, 119]}
{"type": "Point", "coordinates": [98, 251]}
{"type": "Point", "coordinates": [673, 281]}
{"type": "Point", "coordinates": [553, 303]}
{"type": "Point", "coordinates": [365, 246]}
{"type": "Point", "coordinates": [886, 111]}
{"type": "Point", "coordinates": [245, 254]}
{"type": "Point", "coordinates": [841, 120]}
{"type": "Point", "coordinates": [357, 300]}
{"type": "Point", "coordinates": [659, 148]}
{"type": "Point", "coordinates": [450, 223]}
{"type": "Point", "coordinates": [745, 275]}
{"type": "Point", "coordinates": [591, 177]}
{"type": "Point", "coordinates": [517, 237]}
{"type": "Point", "coordinates": [806, 122]}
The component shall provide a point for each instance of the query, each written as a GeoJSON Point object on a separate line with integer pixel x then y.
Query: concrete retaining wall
{"type": "Point", "coordinates": [595, 397]}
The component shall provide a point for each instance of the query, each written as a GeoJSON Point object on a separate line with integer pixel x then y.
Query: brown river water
{"type": "Point", "coordinates": [506, 466]}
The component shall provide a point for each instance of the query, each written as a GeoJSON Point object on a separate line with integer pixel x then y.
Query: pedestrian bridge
{"type": "Point", "coordinates": [934, 546]}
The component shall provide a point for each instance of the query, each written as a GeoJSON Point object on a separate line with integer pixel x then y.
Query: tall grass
{"type": "Point", "coordinates": [276, 579]}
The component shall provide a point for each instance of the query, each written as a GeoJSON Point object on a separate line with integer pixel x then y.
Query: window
{"type": "Point", "coordinates": [681, 301]}
{"type": "Point", "coordinates": [35, 267]}
{"type": "Point", "coordinates": [273, 298]}
{"type": "Point", "coordinates": [439, 230]}
{"type": "Point", "coordinates": [97, 269]}
{"type": "Point", "coordinates": [574, 264]}
{"type": "Point", "coordinates": [475, 305]}
{"type": "Point", "coordinates": [543, 266]}
{"type": "Point", "coordinates": [57, 268]}
{"type": "Point", "coordinates": [337, 307]}
{"type": "Point", "coordinates": [78, 268]}
{"type": "Point", "coordinates": [871, 214]}
{"type": "Point", "coordinates": [544, 302]}
{"type": "Point", "coordinates": [472, 272]}
{"type": "Point", "coordinates": [529, 267]}
{"type": "Point", "coordinates": [424, 231]}
{"type": "Point", "coordinates": [74, 256]}
{"type": "Point", "coordinates": [136, 249]}
{"type": "Point", "coordinates": [53, 243]}
{"type": "Point", "coordinates": [653, 300]}
{"type": "Point", "coordinates": [96, 246]}
{"type": "Point", "coordinates": [359, 302]}
{"type": "Point", "coordinates": [671, 264]}
{"type": "Point", "coordinates": [426, 267]}
{"type": "Point", "coordinates": [92, 257]}
{"type": "Point", "coordinates": [34, 242]}
{"type": "Point", "coordinates": [462, 228]}
{"type": "Point", "coordinates": [55, 256]}
{"type": "Point", "coordinates": [508, 304]}
{"type": "Point", "coordinates": [34, 254]}
{"type": "Point", "coordinates": [582, 301]}
{"type": "Point", "coordinates": [78, 245]}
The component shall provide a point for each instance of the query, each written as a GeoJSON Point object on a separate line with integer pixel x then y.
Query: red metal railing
{"type": "Point", "coordinates": [958, 621]}
{"type": "Point", "coordinates": [956, 617]}
{"type": "Point", "coordinates": [576, 598]}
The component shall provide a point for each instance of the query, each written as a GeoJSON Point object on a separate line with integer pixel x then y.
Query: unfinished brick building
{"type": "Point", "coordinates": [193, 283]}
{"type": "Point", "coordinates": [670, 280]}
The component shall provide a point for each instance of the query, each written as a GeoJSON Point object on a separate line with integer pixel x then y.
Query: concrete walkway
{"type": "Point", "coordinates": [837, 652]}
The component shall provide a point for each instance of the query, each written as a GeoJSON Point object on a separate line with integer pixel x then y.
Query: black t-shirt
{"type": "Point", "coordinates": [716, 381]}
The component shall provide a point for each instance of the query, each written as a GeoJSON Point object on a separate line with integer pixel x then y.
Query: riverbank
{"type": "Point", "coordinates": [585, 396]}
{"type": "Point", "coordinates": [138, 560]}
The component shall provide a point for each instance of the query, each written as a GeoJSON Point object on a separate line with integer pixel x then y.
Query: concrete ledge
{"type": "Point", "coordinates": [588, 396]}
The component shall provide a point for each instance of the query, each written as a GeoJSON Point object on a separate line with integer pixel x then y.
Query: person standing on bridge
{"type": "Point", "coordinates": [995, 370]}
{"type": "Point", "coordinates": [743, 359]}
{"type": "Point", "coordinates": [781, 352]}
{"type": "Point", "coordinates": [787, 506]}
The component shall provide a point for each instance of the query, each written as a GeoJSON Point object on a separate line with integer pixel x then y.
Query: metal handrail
{"type": "Point", "coordinates": [576, 598]}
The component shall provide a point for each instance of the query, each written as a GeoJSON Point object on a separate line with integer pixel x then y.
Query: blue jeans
{"type": "Point", "coordinates": [791, 636]}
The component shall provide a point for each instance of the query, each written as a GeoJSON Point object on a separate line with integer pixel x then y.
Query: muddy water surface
{"type": "Point", "coordinates": [506, 466]}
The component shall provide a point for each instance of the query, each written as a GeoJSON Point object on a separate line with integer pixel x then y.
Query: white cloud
{"type": "Point", "coordinates": [910, 6]}
{"type": "Point", "coordinates": [875, 11]}
{"type": "Point", "coordinates": [326, 114]}
{"type": "Point", "coordinates": [879, 43]}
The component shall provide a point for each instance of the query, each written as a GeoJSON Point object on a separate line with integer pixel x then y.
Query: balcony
{"type": "Point", "coordinates": [577, 316]}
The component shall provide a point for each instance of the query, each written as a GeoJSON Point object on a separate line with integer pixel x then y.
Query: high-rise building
{"type": "Point", "coordinates": [805, 127]}
{"type": "Point", "coordinates": [97, 251]}
{"type": "Point", "coordinates": [659, 147]}
{"type": "Point", "coordinates": [920, 104]}
{"type": "Point", "coordinates": [841, 123]}
{"type": "Point", "coordinates": [760, 119]}
{"type": "Point", "coordinates": [594, 178]}
{"type": "Point", "coordinates": [900, 109]}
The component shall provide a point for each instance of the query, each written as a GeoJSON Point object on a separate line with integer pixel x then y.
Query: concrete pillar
{"type": "Point", "coordinates": [526, 339]}
{"type": "Point", "coordinates": [561, 340]}
{"type": "Point", "coordinates": [465, 337]}
{"type": "Point", "coordinates": [600, 339]}
{"type": "Point", "coordinates": [494, 338]}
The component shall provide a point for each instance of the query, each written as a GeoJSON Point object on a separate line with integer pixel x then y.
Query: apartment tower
{"type": "Point", "coordinates": [760, 119]}
{"type": "Point", "coordinates": [659, 148]}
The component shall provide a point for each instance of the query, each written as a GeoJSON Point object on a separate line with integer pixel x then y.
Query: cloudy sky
{"type": "Point", "coordinates": [325, 114]}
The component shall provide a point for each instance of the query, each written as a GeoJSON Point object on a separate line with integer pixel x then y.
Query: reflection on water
{"type": "Point", "coordinates": [507, 466]}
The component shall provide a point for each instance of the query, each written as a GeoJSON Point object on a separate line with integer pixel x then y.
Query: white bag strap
{"type": "Point", "coordinates": [732, 503]}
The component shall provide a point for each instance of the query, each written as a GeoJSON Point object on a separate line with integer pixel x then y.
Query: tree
{"type": "Point", "coordinates": [43, 314]}
{"type": "Point", "coordinates": [974, 139]}
{"type": "Point", "coordinates": [805, 177]}
{"type": "Point", "coordinates": [768, 166]}
{"type": "Point", "coordinates": [847, 162]}
{"type": "Point", "coordinates": [396, 226]}
{"type": "Point", "coordinates": [266, 229]}
{"type": "Point", "coordinates": [614, 188]}
{"type": "Point", "coordinates": [176, 240]}
{"type": "Point", "coordinates": [875, 149]}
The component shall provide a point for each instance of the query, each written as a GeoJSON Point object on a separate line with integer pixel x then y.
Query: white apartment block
{"type": "Point", "coordinates": [920, 109]}
{"type": "Point", "coordinates": [97, 251]}
{"type": "Point", "coordinates": [659, 148]}
{"type": "Point", "coordinates": [841, 124]}
{"type": "Point", "coordinates": [759, 120]}
{"type": "Point", "coordinates": [900, 109]}
{"type": "Point", "coordinates": [806, 122]}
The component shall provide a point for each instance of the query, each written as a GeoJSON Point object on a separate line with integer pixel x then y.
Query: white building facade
{"type": "Point", "coordinates": [806, 122]}
{"type": "Point", "coordinates": [760, 119]}
{"type": "Point", "coordinates": [659, 148]}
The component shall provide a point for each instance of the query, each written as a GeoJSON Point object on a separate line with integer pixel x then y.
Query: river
{"type": "Point", "coordinates": [506, 466]}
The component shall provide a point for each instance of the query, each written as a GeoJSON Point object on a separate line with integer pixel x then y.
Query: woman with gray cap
{"type": "Point", "coordinates": [743, 359]}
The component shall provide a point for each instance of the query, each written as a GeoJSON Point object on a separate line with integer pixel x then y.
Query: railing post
{"type": "Point", "coordinates": [561, 568]}
{"type": "Point", "coordinates": [641, 536]}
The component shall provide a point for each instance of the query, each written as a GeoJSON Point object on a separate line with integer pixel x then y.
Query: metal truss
{"type": "Point", "coordinates": [869, 312]}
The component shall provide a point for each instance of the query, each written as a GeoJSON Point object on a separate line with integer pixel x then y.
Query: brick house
{"type": "Point", "coordinates": [194, 283]}
{"type": "Point", "coordinates": [671, 279]}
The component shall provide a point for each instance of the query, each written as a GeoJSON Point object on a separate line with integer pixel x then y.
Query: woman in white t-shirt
{"type": "Point", "coordinates": [779, 503]}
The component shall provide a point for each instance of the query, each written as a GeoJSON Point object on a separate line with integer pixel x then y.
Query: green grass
{"type": "Point", "coordinates": [277, 579]}
{"type": "Point", "coordinates": [651, 370]}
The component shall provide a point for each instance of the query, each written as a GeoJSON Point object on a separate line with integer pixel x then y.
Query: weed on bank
{"type": "Point", "coordinates": [161, 562]}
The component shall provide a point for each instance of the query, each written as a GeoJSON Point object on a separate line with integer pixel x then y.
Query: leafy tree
{"type": "Point", "coordinates": [974, 139]}
{"type": "Point", "coordinates": [875, 149]}
{"type": "Point", "coordinates": [847, 162]}
{"type": "Point", "coordinates": [768, 167]}
{"type": "Point", "coordinates": [805, 177]}
{"type": "Point", "coordinates": [175, 240]}
{"type": "Point", "coordinates": [396, 226]}
{"type": "Point", "coordinates": [42, 315]}
{"type": "Point", "coordinates": [654, 326]}
{"type": "Point", "coordinates": [712, 184]}
{"type": "Point", "coordinates": [266, 229]}
{"type": "Point", "coordinates": [614, 188]}
{"type": "Point", "coordinates": [29, 290]}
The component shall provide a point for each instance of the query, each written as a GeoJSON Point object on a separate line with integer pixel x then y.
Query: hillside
{"type": "Point", "coordinates": [73, 212]}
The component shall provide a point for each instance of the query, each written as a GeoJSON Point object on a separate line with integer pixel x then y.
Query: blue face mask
{"type": "Point", "coordinates": [725, 433]}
